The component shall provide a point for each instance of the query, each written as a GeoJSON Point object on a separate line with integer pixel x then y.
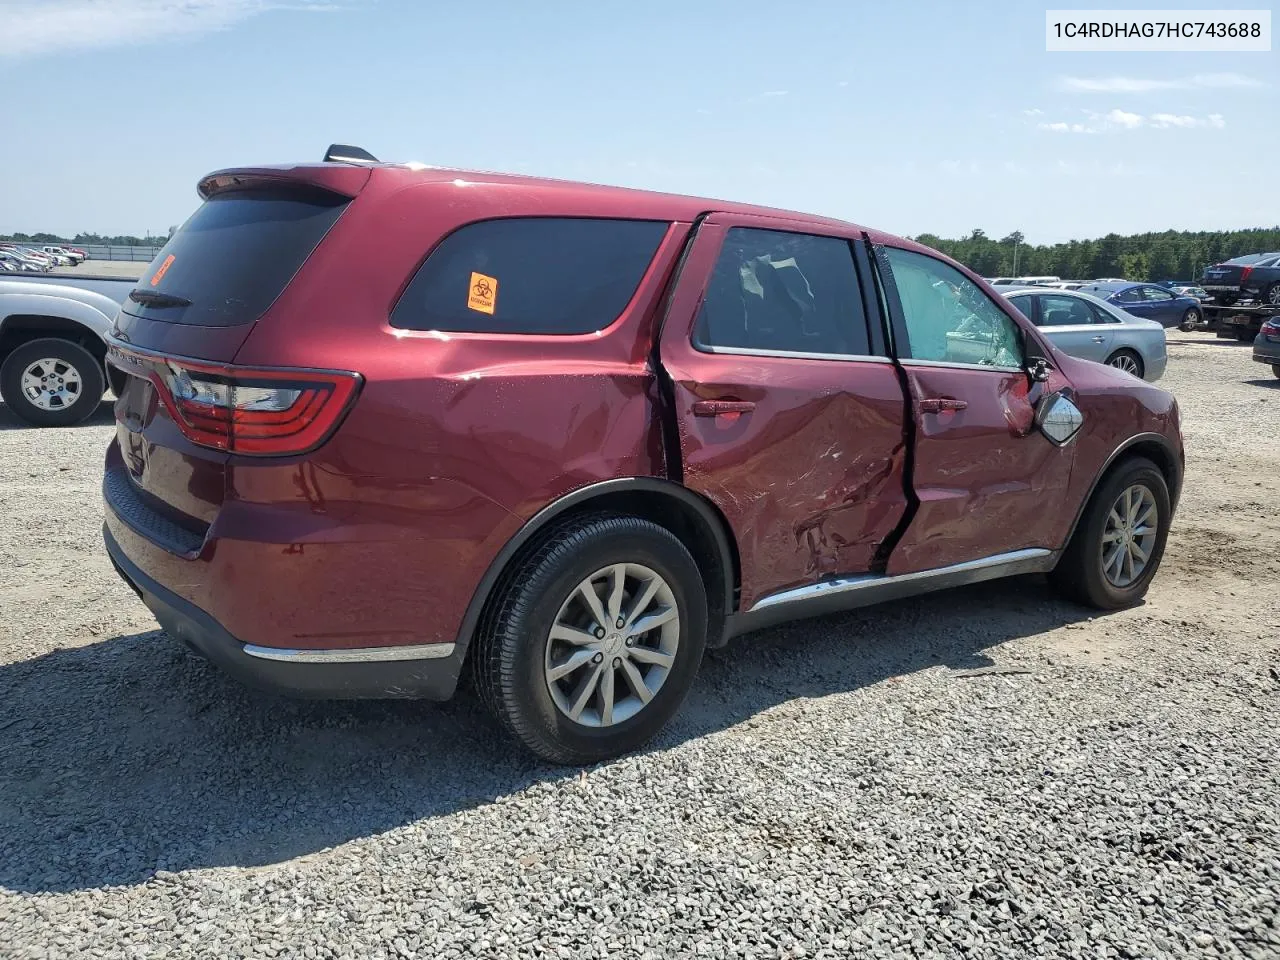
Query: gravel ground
{"type": "Point", "coordinates": [833, 788]}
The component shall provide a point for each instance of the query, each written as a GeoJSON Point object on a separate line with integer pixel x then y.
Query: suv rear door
{"type": "Point", "coordinates": [986, 480]}
{"type": "Point", "coordinates": [791, 416]}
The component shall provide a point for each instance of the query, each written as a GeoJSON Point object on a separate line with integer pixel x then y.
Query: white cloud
{"type": "Point", "coordinates": [1126, 120]}
{"type": "Point", "coordinates": [1123, 120]}
{"type": "Point", "coordinates": [1200, 81]}
{"type": "Point", "coordinates": [1033, 112]}
{"type": "Point", "coordinates": [1166, 120]}
{"type": "Point", "coordinates": [52, 26]}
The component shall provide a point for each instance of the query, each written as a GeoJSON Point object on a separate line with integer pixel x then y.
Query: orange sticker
{"type": "Point", "coordinates": [483, 295]}
{"type": "Point", "coordinates": [164, 268]}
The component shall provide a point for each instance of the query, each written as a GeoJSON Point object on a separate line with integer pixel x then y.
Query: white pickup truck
{"type": "Point", "coordinates": [52, 346]}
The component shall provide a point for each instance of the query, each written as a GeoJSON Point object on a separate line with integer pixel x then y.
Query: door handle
{"type": "Point", "coordinates": [715, 408]}
{"type": "Point", "coordinates": [1099, 339]}
{"type": "Point", "coordinates": [940, 404]}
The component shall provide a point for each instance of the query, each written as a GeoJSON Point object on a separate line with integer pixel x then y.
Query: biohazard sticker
{"type": "Point", "coordinates": [164, 268]}
{"type": "Point", "coordinates": [483, 295]}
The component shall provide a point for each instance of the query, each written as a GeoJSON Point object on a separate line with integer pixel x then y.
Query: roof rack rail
{"type": "Point", "coordinates": [345, 153]}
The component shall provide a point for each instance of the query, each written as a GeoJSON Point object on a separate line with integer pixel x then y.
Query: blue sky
{"type": "Point", "coordinates": [908, 116]}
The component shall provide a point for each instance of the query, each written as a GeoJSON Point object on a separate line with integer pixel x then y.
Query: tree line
{"type": "Point", "coordinates": [53, 239]}
{"type": "Point", "coordinates": [1170, 255]}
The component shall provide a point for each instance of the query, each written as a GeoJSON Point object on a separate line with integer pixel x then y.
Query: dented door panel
{"type": "Point", "coordinates": [811, 478]}
{"type": "Point", "coordinates": [986, 480]}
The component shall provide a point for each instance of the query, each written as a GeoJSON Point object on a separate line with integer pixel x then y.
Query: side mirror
{"type": "Point", "coordinates": [1059, 419]}
{"type": "Point", "coordinates": [1038, 369]}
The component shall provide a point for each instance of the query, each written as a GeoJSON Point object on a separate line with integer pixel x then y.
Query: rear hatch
{"type": "Point", "coordinates": [179, 330]}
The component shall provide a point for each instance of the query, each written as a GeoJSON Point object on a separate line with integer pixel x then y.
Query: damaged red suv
{"type": "Point", "coordinates": [380, 423]}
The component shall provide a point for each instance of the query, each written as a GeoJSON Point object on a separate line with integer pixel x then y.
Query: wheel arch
{"type": "Point", "coordinates": [22, 327]}
{"type": "Point", "coordinates": [693, 519]}
{"type": "Point", "coordinates": [1152, 446]}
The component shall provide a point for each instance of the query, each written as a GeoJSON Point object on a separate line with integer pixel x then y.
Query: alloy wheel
{"type": "Point", "coordinates": [1124, 362]}
{"type": "Point", "coordinates": [51, 384]}
{"type": "Point", "coordinates": [612, 645]}
{"type": "Point", "coordinates": [1129, 535]}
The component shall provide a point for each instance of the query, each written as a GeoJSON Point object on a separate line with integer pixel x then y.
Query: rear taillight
{"type": "Point", "coordinates": [246, 410]}
{"type": "Point", "coordinates": [1244, 274]}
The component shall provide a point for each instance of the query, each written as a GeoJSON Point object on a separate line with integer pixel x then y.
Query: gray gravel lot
{"type": "Point", "coordinates": [833, 788]}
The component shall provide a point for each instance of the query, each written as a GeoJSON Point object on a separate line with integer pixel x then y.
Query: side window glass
{"type": "Point", "coordinates": [1101, 316]}
{"type": "Point", "coordinates": [530, 275]}
{"type": "Point", "coordinates": [1064, 312]}
{"type": "Point", "coordinates": [1155, 293]}
{"type": "Point", "coordinates": [949, 318]}
{"type": "Point", "coordinates": [1025, 306]}
{"type": "Point", "coordinates": [1132, 295]}
{"type": "Point", "coordinates": [783, 292]}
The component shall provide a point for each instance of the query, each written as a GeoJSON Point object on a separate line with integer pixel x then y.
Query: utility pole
{"type": "Point", "coordinates": [1015, 258]}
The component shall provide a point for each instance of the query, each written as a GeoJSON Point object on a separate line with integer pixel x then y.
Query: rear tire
{"type": "Point", "coordinates": [1083, 573]}
{"type": "Point", "coordinates": [63, 391]}
{"type": "Point", "coordinates": [1224, 301]}
{"type": "Point", "coordinates": [1245, 335]}
{"type": "Point", "coordinates": [1271, 295]}
{"type": "Point", "coordinates": [1275, 368]}
{"type": "Point", "coordinates": [1189, 320]}
{"type": "Point", "coordinates": [541, 620]}
{"type": "Point", "coordinates": [1128, 361]}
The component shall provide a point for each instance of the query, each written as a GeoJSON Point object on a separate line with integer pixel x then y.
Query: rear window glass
{"type": "Point", "coordinates": [537, 275]}
{"type": "Point", "coordinates": [234, 256]}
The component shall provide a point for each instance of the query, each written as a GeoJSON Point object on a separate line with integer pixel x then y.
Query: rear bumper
{"type": "Point", "coordinates": [369, 673]}
{"type": "Point", "coordinates": [1265, 351]}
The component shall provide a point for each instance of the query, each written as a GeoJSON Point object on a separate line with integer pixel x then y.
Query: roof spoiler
{"type": "Point", "coordinates": [345, 153]}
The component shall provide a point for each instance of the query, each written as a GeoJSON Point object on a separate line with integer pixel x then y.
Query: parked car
{"type": "Point", "coordinates": [1266, 347]}
{"type": "Point", "coordinates": [59, 259]}
{"type": "Point", "coordinates": [1092, 329]}
{"type": "Point", "coordinates": [52, 351]}
{"type": "Point", "coordinates": [72, 258]}
{"type": "Point", "coordinates": [1149, 301]}
{"type": "Point", "coordinates": [31, 254]}
{"type": "Point", "coordinates": [1193, 290]}
{"type": "Point", "coordinates": [1254, 275]}
{"type": "Point", "coordinates": [20, 263]}
{"type": "Point", "coordinates": [567, 436]}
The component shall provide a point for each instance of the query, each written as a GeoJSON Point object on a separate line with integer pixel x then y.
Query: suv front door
{"type": "Point", "coordinates": [985, 480]}
{"type": "Point", "coordinates": [790, 415]}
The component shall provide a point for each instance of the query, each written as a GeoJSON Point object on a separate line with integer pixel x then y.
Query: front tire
{"type": "Point", "coordinates": [1117, 548]}
{"type": "Point", "coordinates": [1189, 320]}
{"type": "Point", "coordinates": [1271, 295]}
{"type": "Point", "coordinates": [52, 383]}
{"type": "Point", "coordinates": [594, 639]}
{"type": "Point", "coordinates": [1128, 361]}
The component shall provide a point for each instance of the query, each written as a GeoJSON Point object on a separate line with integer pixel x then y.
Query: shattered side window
{"type": "Point", "coordinates": [783, 293]}
{"type": "Point", "coordinates": [949, 319]}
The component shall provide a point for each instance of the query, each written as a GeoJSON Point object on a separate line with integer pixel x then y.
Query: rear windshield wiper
{"type": "Point", "coordinates": [149, 299]}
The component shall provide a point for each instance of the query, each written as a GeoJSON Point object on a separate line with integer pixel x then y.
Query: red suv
{"type": "Point", "coordinates": [378, 423]}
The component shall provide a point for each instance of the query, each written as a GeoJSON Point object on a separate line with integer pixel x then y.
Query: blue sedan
{"type": "Point", "coordinates": [1149, 301]}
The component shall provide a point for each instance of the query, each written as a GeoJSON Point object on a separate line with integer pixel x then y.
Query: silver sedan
{"type": "Point", "coordinates": [1086, 327]}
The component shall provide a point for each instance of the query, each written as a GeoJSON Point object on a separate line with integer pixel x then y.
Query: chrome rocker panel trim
{"type": "Point", "coordinates": [848, 593]}
{"type": "Point", "coordinates": [426, 651]}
